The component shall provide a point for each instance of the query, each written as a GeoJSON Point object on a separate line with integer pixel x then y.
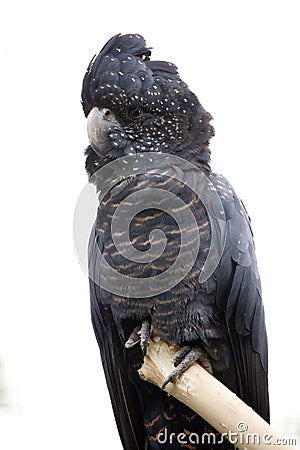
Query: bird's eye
{"type": "Point", "coordinates": [106, 113]}
{"type": "Point", "coordinates": [135, 113]}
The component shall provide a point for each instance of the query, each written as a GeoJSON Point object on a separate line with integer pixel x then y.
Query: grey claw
{"type": "Point", "coordinates": [140, 334]}
{"type": "Point", "coordinates": [134, 338]}
{"type": "Point", "coordinates": [171, 378]}
{"type": "Point", "coordinates": [184, 358]}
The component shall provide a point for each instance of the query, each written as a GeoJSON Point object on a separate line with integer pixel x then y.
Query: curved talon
{"type": "Point", "coordinates": [134, 338]}
{"type": "Point", "coordinates": [140, 334]}
{"type": "Point", "coordinates": [175, 374]}
{"type": "Point", "coordinates": [171, 378]}
{"type": "Point", "coordinates": [184, 358]}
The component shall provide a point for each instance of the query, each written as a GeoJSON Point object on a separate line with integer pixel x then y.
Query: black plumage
{"type": "Point", "coordinates": [134, 106]}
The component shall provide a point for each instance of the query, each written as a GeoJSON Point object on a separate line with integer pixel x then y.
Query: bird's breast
{"type": "Point", "coordinates": [155, 236]}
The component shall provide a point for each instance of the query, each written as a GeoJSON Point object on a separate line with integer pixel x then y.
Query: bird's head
{"type": "Point", "coordinates": [136, 105]}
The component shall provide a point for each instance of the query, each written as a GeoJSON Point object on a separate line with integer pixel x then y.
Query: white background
{"type": "Point", "coordinates": [242, 60]}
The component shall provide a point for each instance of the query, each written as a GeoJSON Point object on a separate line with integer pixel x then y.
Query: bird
{"type": "Point", "coordinates": [160, 202]}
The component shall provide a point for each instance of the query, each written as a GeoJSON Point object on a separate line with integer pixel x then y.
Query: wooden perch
{"type": "Point", "coordinates": [209, 398]}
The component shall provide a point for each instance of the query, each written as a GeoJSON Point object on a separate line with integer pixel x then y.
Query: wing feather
{"type": "Point", "coordinates": [239, 296]}
{"type": "Point", "coordinates": [117, 370]}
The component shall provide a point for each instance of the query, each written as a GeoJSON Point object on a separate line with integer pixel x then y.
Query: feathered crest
{"type": "Point", "coordinates": [121, 74]}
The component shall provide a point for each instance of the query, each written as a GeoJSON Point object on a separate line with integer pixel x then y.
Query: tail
{"type": "Point", "coordinates": [170, 425]}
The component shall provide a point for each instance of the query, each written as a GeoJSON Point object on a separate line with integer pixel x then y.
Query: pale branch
{"type": "Point", "coordinates": [209, 398]}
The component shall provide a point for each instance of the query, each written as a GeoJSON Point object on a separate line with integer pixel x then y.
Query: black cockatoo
{"type": "Point", "coordinates": [140, 110]}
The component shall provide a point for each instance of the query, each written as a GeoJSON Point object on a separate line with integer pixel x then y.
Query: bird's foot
{"type": "Point", "coordinates": [184, 358]}
{"type": "Point", "coordinates": [134, 338]}
{"type": "Point", "coordinates": [145, 336]}
{"type": "Point", "coordinates": [140, 334]}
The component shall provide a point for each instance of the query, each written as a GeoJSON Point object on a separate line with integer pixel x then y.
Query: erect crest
{"type": "Point", "coordinates": [121, 76]}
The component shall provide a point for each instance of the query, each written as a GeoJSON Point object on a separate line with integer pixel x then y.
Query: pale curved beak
{"type": "Point", "coordinates": [99, 123]}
